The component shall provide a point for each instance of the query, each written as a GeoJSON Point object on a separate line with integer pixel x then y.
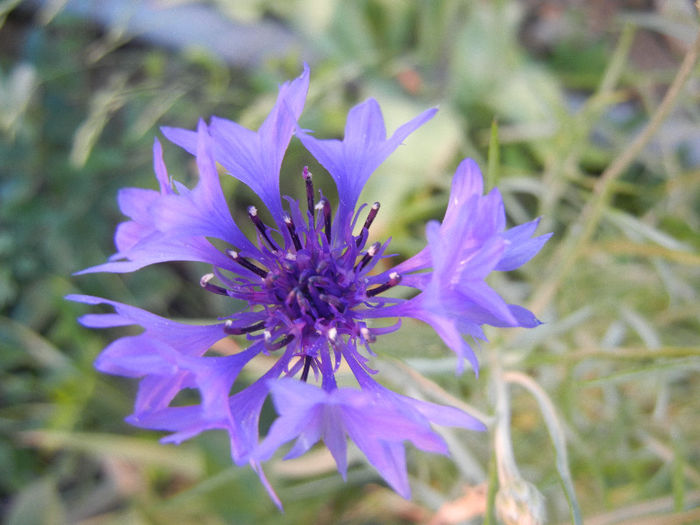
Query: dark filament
{"type": "Point", "coordinates": [326, 208]}
{"type": "Point", "coordinates": [394, 279]}
{"type": "Point", "coordinates": [204, 283]}
{"type": "Point", "coordinates": [309, 190]}
{"type": "Point", "coordinates": [307, 366]}
{"type": "Point", "coordinates": [236, 330]}
{"type": "Point", "coordinates": [364, 233]}
{"type": "Point", "coordinates": [289, 223]}
{"type": "Point", "coordinates": [246, 263]}
{"type": "Point", "coordinates": [371, 252]}
{"type": "Point", "coordinates": [260, 225]}
{"type": "Point", "coordinates": [371, 215]}
{"type": "Point", "coordinates": [279, 343]}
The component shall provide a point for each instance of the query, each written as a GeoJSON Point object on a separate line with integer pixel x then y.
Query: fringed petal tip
{"type": "Point", "coordinates": [257, 468]}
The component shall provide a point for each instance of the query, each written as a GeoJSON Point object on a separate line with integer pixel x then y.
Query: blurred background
{"type": "Point", "coordinates": [613, 371]}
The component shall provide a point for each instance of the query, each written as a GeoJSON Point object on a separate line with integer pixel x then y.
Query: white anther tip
{"type": "Point", "coordinates": [204, 280]}
{"type": "Point", "coordinates": [332, 333]}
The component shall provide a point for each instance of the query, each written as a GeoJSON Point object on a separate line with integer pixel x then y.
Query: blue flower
{"type": "Point", "coordinates": [312, 290]}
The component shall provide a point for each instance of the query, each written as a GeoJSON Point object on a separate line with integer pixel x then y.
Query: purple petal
{"type": "Point", "coordinates": [309, 430]}
{"type": "Point", "coordinates": [467, 183]}
{"type": "Point", "coordinates": [521, 247]}
{"type": "Point", "coordinates": [523, 316]}
{"type": "Point", "coordinates": [447, 329]}
{"type": "Point", "coordinates": [255, 465]}
{"type": "Point", "coordinates": [129, 234]}
{"type": "Point", "coordinates": [185, 338]}
{"type": "Point", "coordinates": [214, 377]}
{"type": "Point", "coordinates": [255, 158]}
{"type": "Point", "coordinates": [157, 249]}
{"type": "Point", "coordinates": [135, 203]}
{"type": "Point", "coordinates": [365, 128]}
{"type": "Point", "coordinates": [404, 131]}
{"type": "Point", "coordinates": [135, 357]}
{"type": "Point", "coordinates": [156, 392]}
{"type": "Point", "coordinates": [444, 415]}
{"type": "Point", "coordinates": [491, 215]}
{"type": "Point", "coordinates": [185, 422]}
{"type": "Point", "coordinates": [389, 458]}
{"type": "Point", "coordinates": [160, 169]}
{"type": "Point", "coordinates": [300, 408]}
{"type": "Point", "coordinates": [334, 438]}
{"type": "Point", "coordinates": [477, 263]}
{"type": "Point", "coordinates": [184, 138]}
{"type": "Point", "coordinates": [171, 226]}
{"type": "Point", "coordinates": [352, 161]}
{"type": "Point", "coordinates": [202, 211]}
{"type": "Point", "coordinates": [485, 297]}
{"type": "Point", "coordinates": [245, 410]}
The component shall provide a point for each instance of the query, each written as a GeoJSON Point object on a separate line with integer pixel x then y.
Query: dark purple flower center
{"type": "Point", "coordinates": [311, 287]}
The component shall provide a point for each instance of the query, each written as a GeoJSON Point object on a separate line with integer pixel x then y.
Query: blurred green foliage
{"type": "Point", "coordinates": [613, 370]}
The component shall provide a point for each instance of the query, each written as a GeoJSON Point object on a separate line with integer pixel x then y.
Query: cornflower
{"type": "Point", "coordinates": [312, 289]}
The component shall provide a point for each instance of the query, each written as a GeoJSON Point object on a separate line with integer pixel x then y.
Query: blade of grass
{"type": "Point", "coordinates": [556, 433]}
{"type": "Point", "coordinates": [494, 158]}
{"type": "Point", "coordinates": [580, 233]}
{"type": "Point", "coordinates": [490, 514]}
{"type": "Point", "coordinates": [184, 459]}
{"type": "Point", "coordinates": [681, 365]}
{"type": "Point", "coordinates": [638, 511]}
{"type": "Point", "coordinates": [636, 249]}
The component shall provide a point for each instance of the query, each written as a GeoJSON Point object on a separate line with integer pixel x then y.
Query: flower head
{"type": "Point", "coordinates": [312, 290]}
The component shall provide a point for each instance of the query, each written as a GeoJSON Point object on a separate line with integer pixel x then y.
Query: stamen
{"type": "Point", "coordinates": [370, 217]}
{"type": "Point", "coordinates": [262, 228]}
{"type": "Point", "coordinates": [307, 366]}
{"type": "Point", "coordinates": [332, 299]}
{"type": "Point", "coordinates": [239, 330]}
{"type": "Point", "coordinates": [309, 190]}
{"type": "Point", "coordinates": [204, 283]}
{"type": "Point", "coordinates": [394, 279]}
{"type": "Point", "coordinates": [318, 281]}
{"type": "Point", "coordinates": [361, 239]}
{"type": "Point", "coordinates": [292, 231]}
{"type": "Point", "coordinates": [332, 334]}
{"type": "Point", "coordinates": [302, 301]}
{"type": "Point", "coordinates": [367, 335]}
{"type": "Point", "coordinates": [322, 266]}
{"type": "Point", "coordinates": [246, 263]}
{"type": "Point", "coordinates": [364, 233]}
{"type": "Point", "coordinates": [291, 296]}
{"type": "Point", "coordinates": [289, 263]}
{"type": "Point", "coordinates": [325, 206]}
{"type": "Point", "coordinates": [277, 344]}
{"type": "Point", "coordinates": [371, 252]}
